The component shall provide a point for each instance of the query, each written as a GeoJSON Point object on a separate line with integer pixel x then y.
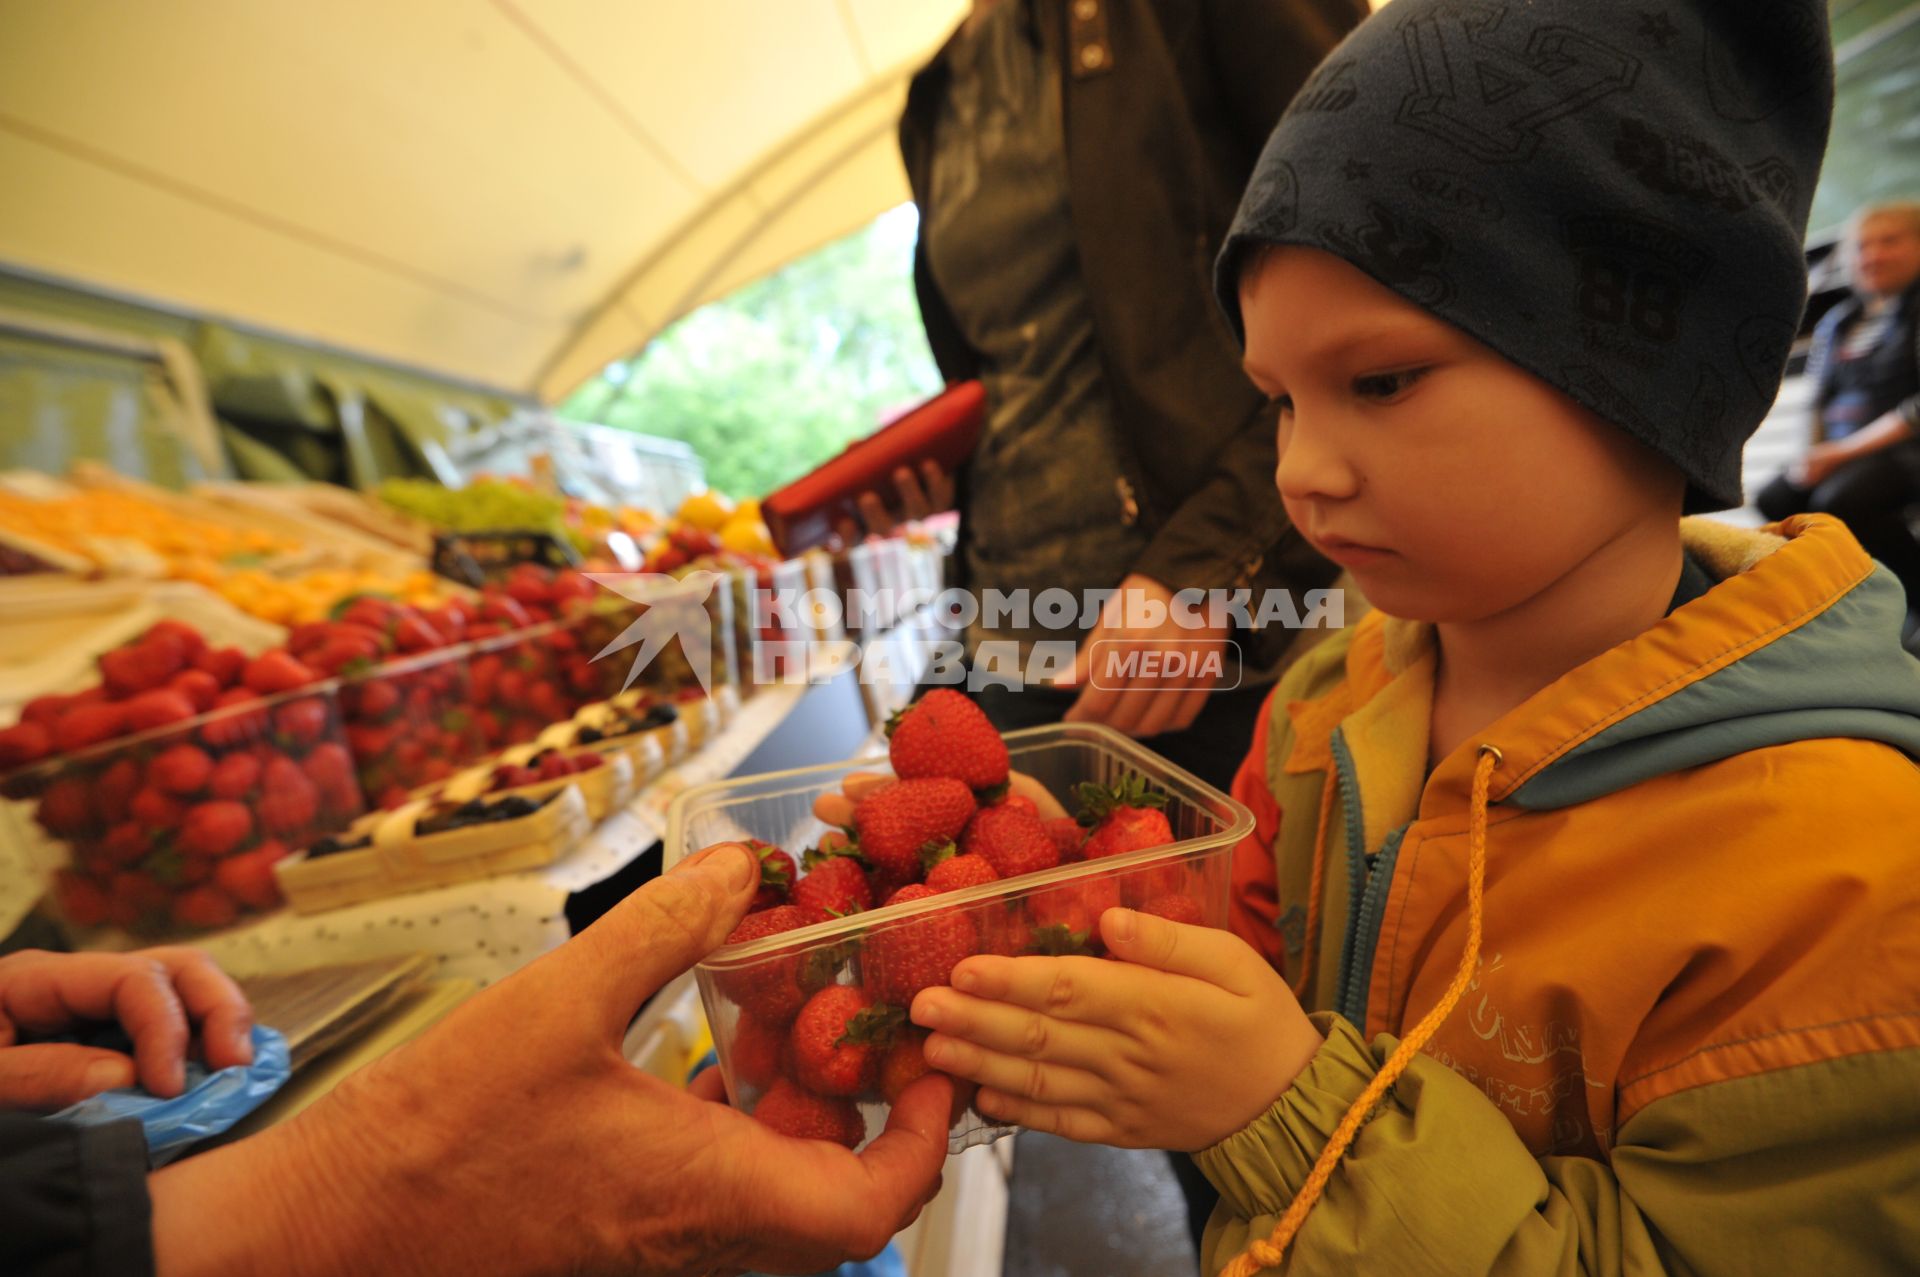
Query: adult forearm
{"type": "Point", "coordinates": [1883, 432]}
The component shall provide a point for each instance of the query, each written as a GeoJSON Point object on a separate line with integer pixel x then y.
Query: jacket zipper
{"type": "Point", "coordinates": [1369, 879]}
{"type": "Point", "coordinates": [1367, 922]}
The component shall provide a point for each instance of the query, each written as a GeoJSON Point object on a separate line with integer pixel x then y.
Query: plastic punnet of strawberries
{"type": "Point", "coordinates": [821, 1029]}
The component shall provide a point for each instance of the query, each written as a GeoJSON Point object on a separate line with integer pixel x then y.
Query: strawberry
{"type": "Point", "coordinates": [920, 953]}
{"type": "Point", "coordinates": [513, 776]}
{"type": "Point", "coordinates": [837, 1037]}
{"type": "Point", "coordinates": [945, 734]}
{"type": "Point", "coordinates": [66, 809]}
{"type": "Point", "coordinates": [176, 634]}
{"type": "Point", "coordinates": [139, 667]}
{"type": "Point", "coordinates": [586, 760]}
{"type": "Point", "coordinates": [554, 765]}
{"type": "Point", "coordinates": [895, 823]}
{"type": "Point", "coordinates": [770, 987]}
{"type": "Point", "coordinates": [757, 1052]}
{"type": "Point", "coordinates": [126, 843]}
{"type": "Point", "coordinates": [1022, 802]}
{"type": "Point", "coordinates": [81, 900]}
{"type": "Point", "coordinates": [776, 875]}
{"type": "Point", "coordinates": [276, 671]}
{"type": "Point", "coordinates": [234, 777]}
{"type": "Point", "coordinates": [134, 898]}
{"type": "Point", "coordinates": [84, 725]}
{"type": "Point", "coordinates": [212, 829]}
{"type": "Point", "coordinates": [955, 873]}
{"type": "Point", "coordinates": [791, 1111]}
{"type": "Point", "coordinates": [904, 1064]}
{"type": "Point", "coordinates": [1066, 919]}
{"type": "Point", "coordinates": [24, 743]}
{"type": "Point", "coordinates": [1176, 908]}
{"type": "Point", "coordinates": [224, 663]}
{"type": "Point", "coordinates": [834, 885]}
{"type": "Point", "coordinates": [182, 770]}
{"type": "Point", "coordinates": [248, 877]}
{"type": "Point", "coordinates": [157, 709]}
{"type": "Point", "coordinates": [45, 710]}
{"type": "Point", "coordinates": [330, 767]}
{"type": "Point", "coordinates": [376, 700]}
{"type": "Point", "coordinates": [113, 792]}
{"type": "Point", "coordinates": [204, 908]}
{"type": "Point", "coordinates": [232, 725]}
{"type": "Point", "coordinates": [1122, 818]}
{"type": "Point", "coordinates": [199, 687]}
{"type": "Point", "coordinates": [157, 810]}
{"type": "Point", "coordinates": [1066, 834]}
{"type": "Point", "coordinates": [413, 633]}
{"type": "Point", "coordinates": [1010, 839]}
{"type": "Point", "coordinates": [289, 802]}
{"type": "Point", "coordinates": [303, 721]}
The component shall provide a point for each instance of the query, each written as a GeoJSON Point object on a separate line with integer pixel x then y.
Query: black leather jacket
{"type": "Point", "coordinates": [1167, 104]}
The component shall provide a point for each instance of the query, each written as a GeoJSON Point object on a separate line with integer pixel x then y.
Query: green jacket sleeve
{"type": "Point", "coordinates": [1805, 1169]}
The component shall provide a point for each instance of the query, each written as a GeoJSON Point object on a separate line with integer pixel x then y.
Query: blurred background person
{"type": "Point", "coordinates": [1864, 465]}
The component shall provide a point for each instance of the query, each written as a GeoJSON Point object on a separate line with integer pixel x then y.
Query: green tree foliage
{"type": "Point", "coordinates": [769, 382]}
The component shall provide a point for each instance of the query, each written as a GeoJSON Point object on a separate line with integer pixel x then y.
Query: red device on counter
{"type": "Point", "coordinates": [944, 429]}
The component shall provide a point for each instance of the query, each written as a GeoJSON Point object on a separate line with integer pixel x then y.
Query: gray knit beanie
{"type": "Point", "coordinates": [1612, 195]}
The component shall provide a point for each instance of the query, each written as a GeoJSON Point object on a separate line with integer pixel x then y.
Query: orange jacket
{"type": "Point", "coordinates": [1703, 871]}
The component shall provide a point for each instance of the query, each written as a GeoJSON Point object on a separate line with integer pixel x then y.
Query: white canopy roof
{"type": "Point", "coordinates": [511, 192]}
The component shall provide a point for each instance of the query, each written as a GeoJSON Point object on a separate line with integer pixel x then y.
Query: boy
{"type": "Point", "coordinates": [1595, 848]}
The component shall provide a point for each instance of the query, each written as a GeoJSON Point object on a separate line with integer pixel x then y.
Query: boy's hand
{"type": "Point", "coordinates": [1179, 1045]}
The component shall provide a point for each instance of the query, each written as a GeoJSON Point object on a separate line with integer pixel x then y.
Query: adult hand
{"type": "Point", "coordinates": [1817, 463]}
{"type": "Point", "coordinates": [514, 1138]}
{"type": "Point", "coordinates": [1186, 1040]}
{"type": "Point", "coordinates": [922, 495]}
{"type": "Point", "coordinates": [837, 809]}
{"type": "Point", "coordinates": [158, 997]}
{"type": "Point", "coordinates": [1122, 669]}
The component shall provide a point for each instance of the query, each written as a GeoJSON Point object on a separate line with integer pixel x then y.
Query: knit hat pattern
{"type": "Point", "coordinates": [1612, 195]}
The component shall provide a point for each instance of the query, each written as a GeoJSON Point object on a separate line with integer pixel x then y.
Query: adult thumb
{"type": "Point", "coordinates": [51, 1075]}
{"type": "Point", "coordinates": [665, 927]}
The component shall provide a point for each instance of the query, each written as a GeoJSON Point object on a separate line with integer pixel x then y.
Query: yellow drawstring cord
{"type": "Point", "coordinates": [1302, 987]}
{"type": "Point", "coordinates": [1268, 1252]}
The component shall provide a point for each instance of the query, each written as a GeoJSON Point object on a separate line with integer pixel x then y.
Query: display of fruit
{"type": "Point", "coordinates": [305, 597]}
{"type": "Point", "coordinates": [119, 530]}
{"type": "Point", "coordinates": [173, 818]}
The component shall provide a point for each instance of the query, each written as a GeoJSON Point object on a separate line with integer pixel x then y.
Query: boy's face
{"type": "Point", "coordinates": [1451, 483]}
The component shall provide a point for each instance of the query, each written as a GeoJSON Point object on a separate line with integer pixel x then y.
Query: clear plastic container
{"type": "Point", "coordinates": [1054, 911]}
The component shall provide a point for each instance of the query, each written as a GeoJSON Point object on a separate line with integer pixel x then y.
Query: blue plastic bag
{"type": "Point", "coordinates": [208, 1105]}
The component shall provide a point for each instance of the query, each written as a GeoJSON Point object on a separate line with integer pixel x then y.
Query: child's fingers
{"type": "Point", "coordinates": [1014, 1030]}
{"type": "Point", "coordinates": [858, 785]}
{"type": "Point", "coordinates": [1030, 1079]}
{"type": "Point", "coordinates": [1081, 1124]}
{"type": "Point", "coordinates": [1083, 990]}
{"type": "Point", "coordinates": [1041, 797]}
{"type": "Point", "coordinates": [834, 809]}
{"type": "Point", "coordinates": [1214, 957]}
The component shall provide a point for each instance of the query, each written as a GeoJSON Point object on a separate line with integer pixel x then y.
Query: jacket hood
{"type": "Point", "coordinates": [1799, 640]}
